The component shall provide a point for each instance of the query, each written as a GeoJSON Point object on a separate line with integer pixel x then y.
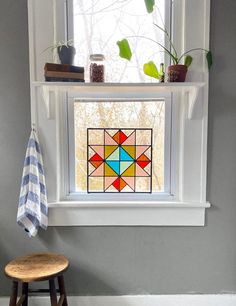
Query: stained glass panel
{"type": "Point", "coordinates": [119, 159]}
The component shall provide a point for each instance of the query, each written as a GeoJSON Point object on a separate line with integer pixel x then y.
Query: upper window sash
{"type": "Point", "coordinates": [147, 51]}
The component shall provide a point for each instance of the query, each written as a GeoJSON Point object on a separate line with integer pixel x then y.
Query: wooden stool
{"type": "Point", "coordinates": [35, 268]}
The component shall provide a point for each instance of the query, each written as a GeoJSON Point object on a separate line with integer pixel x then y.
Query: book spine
{"type": "Point", "coordinates": [59, 74]}
{"type": "Point", "coordinates": [55, 79]}
{"type": "Point", "coordinates": [63, 67]}
{"type": "Point", "coordinates": [76, 69]}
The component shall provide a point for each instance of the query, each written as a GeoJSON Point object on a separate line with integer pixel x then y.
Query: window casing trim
{"type": "Point", "coordinates": [192, 135]}
{"type": "Point", "coordinates": [127, 214]}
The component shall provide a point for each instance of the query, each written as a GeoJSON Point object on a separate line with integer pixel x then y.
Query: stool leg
{"type": "Point", "coordinates": [25, 293]}
{"type": "Point", "coordinates": [14, 292]}
{"type": "Point", "coordinates": [53, 292]}
{"type": "Point", "coordinates": [62, 289]}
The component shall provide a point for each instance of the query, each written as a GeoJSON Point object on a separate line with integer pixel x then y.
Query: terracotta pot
{"type": "Point", "coordinates": [66, 54]}
{"type": "Point", "coordinates": [177, 73]}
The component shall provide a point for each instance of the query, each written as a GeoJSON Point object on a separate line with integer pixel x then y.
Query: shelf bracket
{"type": "Point", "coordinates": [192, 99]}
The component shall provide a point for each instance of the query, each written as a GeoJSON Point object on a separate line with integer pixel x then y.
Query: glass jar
{"type": "Point", "coordinates": [97, 68]}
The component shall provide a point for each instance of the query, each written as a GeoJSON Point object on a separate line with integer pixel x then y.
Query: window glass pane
{"type": "Point", "coordinates": [128, 116]}
{"type": "Point", "coordinates": [99, 24]}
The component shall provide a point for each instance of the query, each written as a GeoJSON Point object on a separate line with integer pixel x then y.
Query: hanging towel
{"type": "Point", "coordinates": [32, 208]}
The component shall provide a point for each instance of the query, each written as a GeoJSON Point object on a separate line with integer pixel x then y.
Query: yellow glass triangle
{"type": "Point", "coordinates": [130, 171]}
{"type": "Point", "coordinates": [109, 171]}
{"type": "Point", "coordinates": [109, 150]}
{"type": "Point", "coordinates": [130, 150]}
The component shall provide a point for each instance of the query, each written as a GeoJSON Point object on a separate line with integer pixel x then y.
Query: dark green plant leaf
{"type": "Point", "coordinates": [209, 59]}
{"type": "Point", "coordinates": [161, 69]}
{"type": "Point", "coordinates": [149, 5]}
{"type": "Point", "coordinates": [125, 51]}
{"type": "Point", "coordinates": [188, 60]}
{"type": "Point", "coordinates": [150, 69]}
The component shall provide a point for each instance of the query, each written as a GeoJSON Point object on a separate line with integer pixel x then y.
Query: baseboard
{"type": "Point", "coordinates": [140, 300]}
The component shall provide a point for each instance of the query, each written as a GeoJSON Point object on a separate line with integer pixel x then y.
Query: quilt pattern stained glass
{"type": "Point", "coordinates": [119, 160]}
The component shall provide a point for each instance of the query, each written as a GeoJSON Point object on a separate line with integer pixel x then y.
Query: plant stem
{"type": "Point", "coordinates": [168, 36]}
{"type": "Point", "coordinates": [175, 60]}
{"type": "Point", "coordinates": [191, 50]}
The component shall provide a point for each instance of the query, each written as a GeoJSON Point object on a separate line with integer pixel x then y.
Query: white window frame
{"type": "Point", "coordinates": [188, 209]}
{"type": "Point", "coordinates": [168, 192]}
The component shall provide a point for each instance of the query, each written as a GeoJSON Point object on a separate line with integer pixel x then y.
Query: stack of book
{"type": "Point", "coordinates": [63, 73]}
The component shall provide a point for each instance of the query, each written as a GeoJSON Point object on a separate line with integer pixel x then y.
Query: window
{"type": "Point", "coordinates": [96, 27]}
{"type": "Point", "coordinates": [144, 115]}
{"type": "Point", "coordinates": [180, 149]}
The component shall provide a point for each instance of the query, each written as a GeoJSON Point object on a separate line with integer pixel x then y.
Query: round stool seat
{"type": "Point", "coordinates": [36, 267]}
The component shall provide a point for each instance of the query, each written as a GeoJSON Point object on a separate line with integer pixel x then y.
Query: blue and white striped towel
{"type": "Point", "coordinates": [32, 209]}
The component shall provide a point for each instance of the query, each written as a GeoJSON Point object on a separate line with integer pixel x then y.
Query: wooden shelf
{"type": "Point", "coordinates": [119, 91]}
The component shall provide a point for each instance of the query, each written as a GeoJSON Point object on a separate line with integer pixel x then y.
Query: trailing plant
{"type": "Point", "coordinates": [60, 44]}
{"type": "Point", "coordinates": [150, 68]}
{"type": "Point", "coordinates": [65, 51]}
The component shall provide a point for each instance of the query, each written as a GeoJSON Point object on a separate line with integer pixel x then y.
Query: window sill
{"type": "Point", "coordinates": [127, 214]}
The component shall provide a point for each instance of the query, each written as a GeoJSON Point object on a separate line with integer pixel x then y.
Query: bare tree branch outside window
{"type": "Point", "coordinates": [97, 27]}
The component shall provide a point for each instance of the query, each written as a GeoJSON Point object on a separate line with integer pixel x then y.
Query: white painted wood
{"type": "Point", "coordinates": [32, 58]}
{"type": "Point", "coordinates": [140, 300]}
{"type": "Point", "coordinates": [193, 148]}
{"type": "Point", "coordinates": [206, 42]}
{"type": "Point", "coordinates": [128, 204]}
{"type": "Point", "coordinates": [190, 144]}
{"type": "Point", "coordinates": [127, 214]}
{"type": "Point", "coordinates": [114, 90]}
{"type": "Point", "coordinates": [111, 87]}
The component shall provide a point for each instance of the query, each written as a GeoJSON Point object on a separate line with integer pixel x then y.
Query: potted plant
{"type": "Point", "coordinates": [66, 51]}
{"type": "Point", "coordinates": [180, 62]}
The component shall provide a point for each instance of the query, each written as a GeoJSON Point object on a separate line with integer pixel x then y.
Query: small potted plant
{"type": "Point", "coordinates": [66, 51]}
{"type": "Point", "coordinates": [178, 70]}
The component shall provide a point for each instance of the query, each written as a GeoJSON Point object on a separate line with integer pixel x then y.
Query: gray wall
{"type": "Point", "coordinates": [137, 260]}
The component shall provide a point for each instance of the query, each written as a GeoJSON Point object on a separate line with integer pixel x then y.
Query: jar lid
{"type": "Point", "coordinates": [97, 57]}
